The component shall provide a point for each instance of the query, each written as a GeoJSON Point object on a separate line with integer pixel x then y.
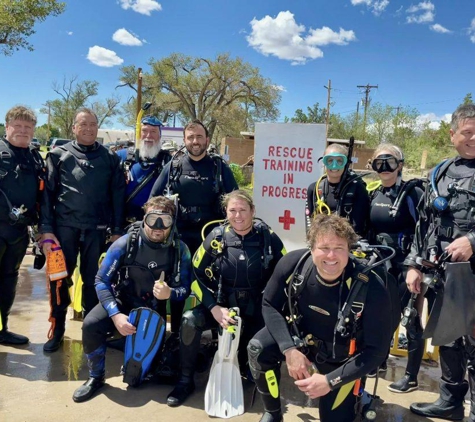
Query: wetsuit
{"type": "Point", "coordinates": [84, 195]}
{"type": "Point", "coordinates": [243, 267]}
{"type": "Point", "coordinates": [199, 190]}
{"type": "Point", "coordinates": [137, 172]}
{"type": "Point", "coordinates": [121, 288]}
{"type": "Point", "coordinates": [397, 232]}
{"type": "Point", "coordinates": [199, 185]}
{"type": "Point", "coordinates": [434, 232]}
{"type": "Point", "coordinates": [318, 305]}
{"type": "Point", "coordinates": [352, 203]}
{"type": "Point", "coordinates": [20, 169]}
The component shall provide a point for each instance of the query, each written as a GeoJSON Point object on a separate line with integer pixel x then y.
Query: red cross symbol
{"type": "Point", "coordinates": [287, 220]}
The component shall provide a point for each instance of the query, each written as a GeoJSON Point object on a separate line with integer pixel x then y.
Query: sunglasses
{"type": "Point", "coordinates": [385, 163]}
{"type": "Point", "coordinates": [335, 161]}
{"type": "Point", "coordinates": [157, 220]}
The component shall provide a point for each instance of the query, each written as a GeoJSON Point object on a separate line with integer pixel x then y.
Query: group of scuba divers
{"type": "Point", "coordinates": [329, 311]}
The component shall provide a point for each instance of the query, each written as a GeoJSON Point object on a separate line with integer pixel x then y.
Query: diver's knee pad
{"type": "Point", "coordinates": [192, 324]}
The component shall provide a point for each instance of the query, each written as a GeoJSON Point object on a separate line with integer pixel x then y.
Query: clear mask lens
{"type": "Point", "coordinates": [157, 220]}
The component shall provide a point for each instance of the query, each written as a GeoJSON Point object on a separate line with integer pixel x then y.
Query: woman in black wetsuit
{"type": "Point", "coordinates": [232, 267]}
{"type": "Point", "coordinates": [352, 199]}
{"type": "Point", "coordinates": [393, 218]}
{"type": "Point", "coordinates": [321, 289]}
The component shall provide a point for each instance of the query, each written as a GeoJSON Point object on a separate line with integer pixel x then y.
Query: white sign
{"type": "Point", "coordinates": [285, 163]}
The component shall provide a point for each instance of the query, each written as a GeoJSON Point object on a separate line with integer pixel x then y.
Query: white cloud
{"type": "Point", "coordinates": [103, 57]}
{"type": "Point", "coordinates": [376, 6]}
{"type": "Point", "coordinates": [144, 7]}
{"type": "Point", "coordinates": [433, 120]}
{"type": "Point", "coordinates": [124, 37]}
{"type": "Point", "coordinates": [440, 29]}
{"type": "Point", "coordinates": [358, 2]}
{"type": "Point", "coordinates": [421, 13]}
{"type": "Point", "coordinates": [284, 38]}
{"type": "Point", "coordinates": [70, 33]}
{"type": "Point", "coordinates": [471, 31]}
{"type": "Point", "coordinates": [280, 88]}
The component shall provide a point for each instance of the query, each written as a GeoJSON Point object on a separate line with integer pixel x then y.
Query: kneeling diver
{"type": "Point", "coordinates": [340, 308]}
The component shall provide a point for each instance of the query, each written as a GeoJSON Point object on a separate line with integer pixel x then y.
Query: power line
{"type": "Point", "coordinates": [368, 89]}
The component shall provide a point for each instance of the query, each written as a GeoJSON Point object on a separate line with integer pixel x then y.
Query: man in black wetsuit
{"type": "Point", "coordinates": [318, 294]}
{"type": "Point", "coordinates": [21, 168]}
{"type": "Point", "coordinates": [84, 196]}
{"type": "Point", "coordinates": [451, 230]}
{"type": "Point", "coordinates": [199, 180]}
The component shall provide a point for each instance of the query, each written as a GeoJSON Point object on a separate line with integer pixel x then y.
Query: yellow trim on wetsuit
{"type": "Point", "coordinates": [343, 394]}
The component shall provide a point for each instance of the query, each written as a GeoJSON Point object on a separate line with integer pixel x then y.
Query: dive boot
{"type": "Point", "coordinates": [441, 409]}
{"type": "Point", "coordinates": [88, 389]}
{"type": "Point", "coordinates": [272, 417]}
{"type": "Point", "coordinates": [180, 393]}
{"type": "Point", "coordinates": [54, 343]}
{"type": "Point", "coordinates": [7, 337]}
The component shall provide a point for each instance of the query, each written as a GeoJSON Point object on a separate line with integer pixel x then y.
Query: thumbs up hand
{"type": "Point", "coordinates": [160, 289]}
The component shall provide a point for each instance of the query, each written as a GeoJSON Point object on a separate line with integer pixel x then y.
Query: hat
{"type": "Point", "coordinates": [152, 121]}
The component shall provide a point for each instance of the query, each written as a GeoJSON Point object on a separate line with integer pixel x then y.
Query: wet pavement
{"type": "Point", "coordinates": [35, 386]}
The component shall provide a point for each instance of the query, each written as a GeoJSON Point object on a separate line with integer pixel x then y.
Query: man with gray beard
{"type": "Point", "coordinates": [142, 167]}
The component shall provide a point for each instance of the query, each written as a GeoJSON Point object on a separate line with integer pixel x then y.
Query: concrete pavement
{"type": "Point", "coordinates": [37, 387]}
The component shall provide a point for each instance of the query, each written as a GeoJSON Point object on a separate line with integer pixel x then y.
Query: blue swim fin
{"type": "Point", "coordinates": [141, 347]}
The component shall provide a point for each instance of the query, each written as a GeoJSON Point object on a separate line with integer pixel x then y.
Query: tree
{"type": "Point", "coordinates": [208, 90]}
{"type": "Point", "coordinates": [18, 18]}
{"type": "Point", "coordinates": [43, 134]}
{"type": "Point", "coordinates": [314, 114]}
{"type": "Point", "coordinates": [468, 99]}
{"type": "Point", "coordinates": [75, 95]}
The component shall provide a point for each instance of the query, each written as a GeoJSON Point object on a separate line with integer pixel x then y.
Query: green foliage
{"type": "Point", "coordinates": [238, 174]}
{"type": "Point", "coordinates": [217, 92]}
{"type": "Point", "coordinates": [2, 129]}
{"type": "Point", "coordinates": [18, 18]}
{"type": "Point", "coordinates": [314, 114]}
{"type": "Point", "coordinates": [74, 95]}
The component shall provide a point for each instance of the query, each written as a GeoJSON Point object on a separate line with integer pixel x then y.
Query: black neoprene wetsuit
{"type": "Point", "coordinates": [353, 202]}
{"type": "Point", "coordinates": [243, 279]}
{"type": "Point", "coordinates": [318, 305]}
{"type": "Point", "coordinates": [19, 181]}
{"type": "Point", "coordinates": [198, 192]}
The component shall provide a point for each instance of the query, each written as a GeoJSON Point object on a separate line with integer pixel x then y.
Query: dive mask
{"type": "Point", "coordinates": [385, 163]}
{"type": "Point", "coordinates": [158, 220]}
{"type": "Point", "coordinates": [335, 161]}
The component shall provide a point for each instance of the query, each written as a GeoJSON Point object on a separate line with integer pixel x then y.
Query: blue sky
{"type": "Point", "coordinates": [420, 54]}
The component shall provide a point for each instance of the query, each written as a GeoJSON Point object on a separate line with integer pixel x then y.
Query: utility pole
{"type": "Point", "coordinates": [327, 119]}
{"type": "Point", "coordinates": [48, 135]}
{"type": "Point", "coordinates": [367, 89]}
{"type": "Point", "coordinates": [357, 115]}
{"type": "Point", "coordinates": [396, 120]}
{"type": "Point", "coordinates": [139, 91]}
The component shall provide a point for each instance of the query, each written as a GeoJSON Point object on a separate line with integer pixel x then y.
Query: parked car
{"type": "Point", "coordinates": [58, 142]}
{"type": "Point", "coordinates": [34, 142]}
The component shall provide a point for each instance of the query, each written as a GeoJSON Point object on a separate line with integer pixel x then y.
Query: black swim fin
{"type": "Point", "coordinates": [141, 347]}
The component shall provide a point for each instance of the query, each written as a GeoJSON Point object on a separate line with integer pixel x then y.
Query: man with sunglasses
{"type": "Point", "coordinates": [338, 191]}
{"type": "Point", "coordinates": [142, 166]}
{"type": "Point", "coordinates": [447, 225]}
{"type": "Point", "coordinates": [124, 283]}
